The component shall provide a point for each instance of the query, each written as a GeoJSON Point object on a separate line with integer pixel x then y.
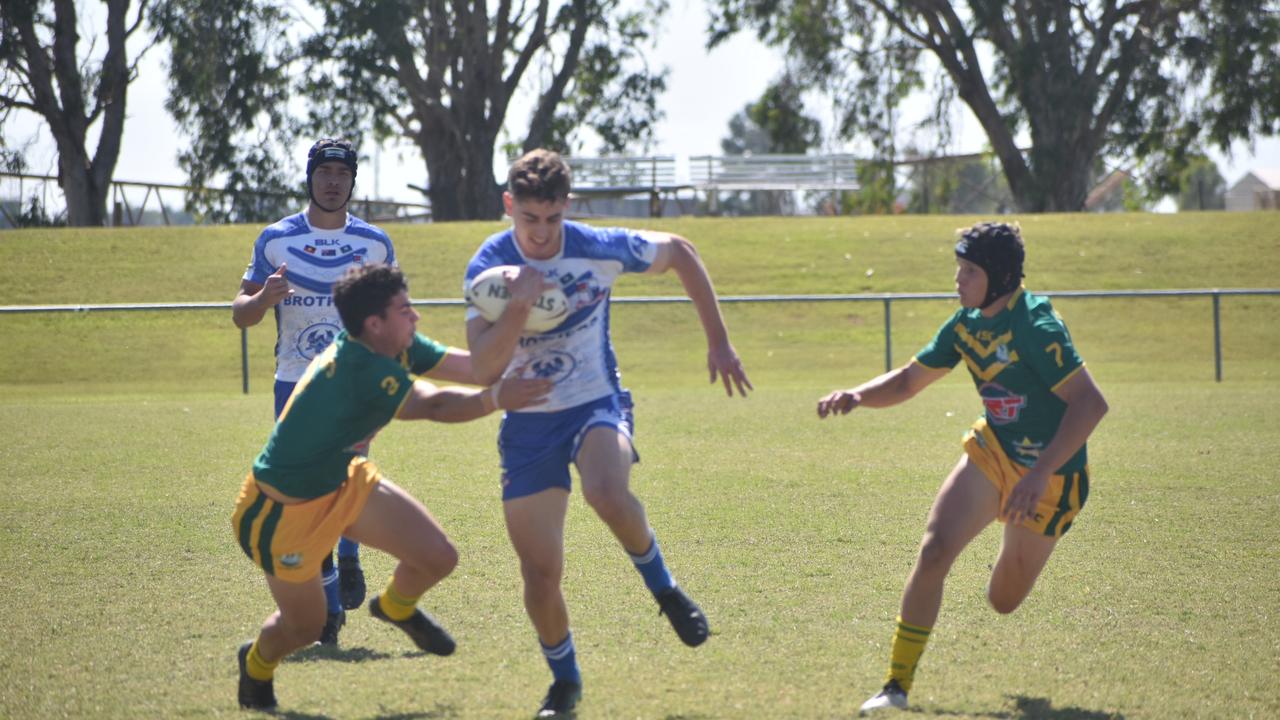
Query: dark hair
{"type": "Point", "coordinates": [539, 175]}
{"type": "Point", "coordinates": [998, 249]}
{"type": "Point", "coordinates": [365, 291]}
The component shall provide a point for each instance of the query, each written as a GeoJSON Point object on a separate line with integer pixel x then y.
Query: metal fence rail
{"type": "Point", "coordinates": [887, 299]}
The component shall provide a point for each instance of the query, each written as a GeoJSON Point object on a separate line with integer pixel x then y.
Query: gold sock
{"type": "Point", "coordinates": [908, 644]}
{"type": "Point", "coordinates": [397, 606]}
{"type": "Point", "coordinates": [258, 668]}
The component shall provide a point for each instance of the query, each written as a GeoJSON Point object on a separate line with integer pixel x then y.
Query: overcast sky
{"type": "Point", "coordinates": [704, 90]}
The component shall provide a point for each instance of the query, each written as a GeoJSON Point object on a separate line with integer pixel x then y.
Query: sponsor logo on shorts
{"type": "Point", "coordinates": [291, 560]}
{"type": "Point", "coordinates": [315, 338]}
{"type": "Point", "coordinates": [1003, 406]}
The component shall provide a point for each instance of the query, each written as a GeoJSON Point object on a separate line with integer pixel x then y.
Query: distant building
{"type": "Point", "coordinates": [1257, 190]}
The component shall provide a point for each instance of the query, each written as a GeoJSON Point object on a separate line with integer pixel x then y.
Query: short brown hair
{"type": "Point", "coordinates": [539, 175]}
{"type": "Point", "coordinates": [364, 291]}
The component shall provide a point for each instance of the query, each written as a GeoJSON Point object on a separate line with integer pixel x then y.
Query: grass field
{"type": "Point", "coordinates": [127, 436]}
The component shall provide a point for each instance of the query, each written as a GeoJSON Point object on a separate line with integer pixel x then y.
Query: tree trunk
{"type": "Point", "coordinates": [472, 192]}
{"type": "Point", "coordinates": [86, 200]}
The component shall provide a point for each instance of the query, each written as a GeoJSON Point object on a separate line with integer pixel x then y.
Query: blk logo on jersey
{"type": "Point", "coordinates": [313, 340]}
{"type": "Point", "coordinates": [1003, 407]}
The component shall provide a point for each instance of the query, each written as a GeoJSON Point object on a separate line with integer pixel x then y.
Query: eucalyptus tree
{"type": "Point", "coordinates": [75, 84]}
{"type": "Point", "coordinates": [449, 78]}
{"type": "Point", "coordinates": [1143, 81]}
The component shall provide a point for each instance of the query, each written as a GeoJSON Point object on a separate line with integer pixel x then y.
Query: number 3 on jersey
{"type": "Point", "coordinates": [392, 386]}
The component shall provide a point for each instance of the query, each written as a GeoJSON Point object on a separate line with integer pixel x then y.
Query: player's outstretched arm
{"type": "Point", "coordinates": [891, 388]}
{"type": "Point", "coordinates": [455, 367]}
{"type": "Point", "coordinates": [678, 254]}
{"type": "Point", "coordinates": [455, 404]}
{"type": "Point", "coordinates": [1085, 408]}
{"type": "Point", "coordinates": [254, 300]}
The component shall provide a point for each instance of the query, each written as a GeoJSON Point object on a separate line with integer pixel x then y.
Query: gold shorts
{"type": "Point", "coordinates": [1062, 498]}
{"type": "Point", "coordinates": [291, 541]}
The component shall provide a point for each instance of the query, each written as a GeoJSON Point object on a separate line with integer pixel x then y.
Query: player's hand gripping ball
{"type": "Point", "coordinates": [489, 294]}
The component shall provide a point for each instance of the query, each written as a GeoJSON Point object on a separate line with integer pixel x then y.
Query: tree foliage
{"type": "Point", "coordinates": [230, 89]}
{"type": "Point", "coordinates": [442, 76]}
{"type": "Point", "coordinates": [775, 123]}
{"type": "Point", "coordinates": [47, 69]}
{"type": "Point", "coordinates": [1201, 185]}
{"type": "Point", "coordinates": [1136, 79]}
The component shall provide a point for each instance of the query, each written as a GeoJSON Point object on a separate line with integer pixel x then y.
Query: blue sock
{"type": "Point", "coordinates": [348, 548]}
{"type": "Point", "coordinates": [563, 659]}
{"type": "Point", "coordinates": [330, 579]}
{"type": "Point", "coordinates": [653, 569]}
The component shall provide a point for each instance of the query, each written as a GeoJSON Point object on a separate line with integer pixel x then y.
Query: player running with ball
{"type": "Point", "coordinates": [1025, 462]}
{"type": "Point", "coordinates": [587, 419]}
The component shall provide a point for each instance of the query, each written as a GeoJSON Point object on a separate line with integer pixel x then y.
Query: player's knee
{"type": "Point", "coordinates": [1003, 602]}
{"type": "Point", "coordinates": [936, 553]}
{"type": "Point", "coordinates": [541, 577]}
{"type": "Point", "coordinates": [611, 502]}
{"type": "Point", "coordinates": [440, 558]}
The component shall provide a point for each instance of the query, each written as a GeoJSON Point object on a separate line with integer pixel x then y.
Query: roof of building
{"type": "Point", "coordinates": [1268, 176]}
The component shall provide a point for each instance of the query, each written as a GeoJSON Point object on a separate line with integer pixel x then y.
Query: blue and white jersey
{"type": "Point", "coordinates": [577, 353]}
{"type": "Point", "coordinates": [307, 321]}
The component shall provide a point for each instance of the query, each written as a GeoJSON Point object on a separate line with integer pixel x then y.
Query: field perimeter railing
{"type": "Point", "coordinates": [886, 298]}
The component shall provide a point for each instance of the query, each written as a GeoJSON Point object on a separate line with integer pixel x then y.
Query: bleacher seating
{"type": "Point", "coordinates": [774, 172]}
{"type": "Point", "coordinates": [623, 174]}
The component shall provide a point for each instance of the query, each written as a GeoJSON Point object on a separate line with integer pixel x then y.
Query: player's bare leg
{"type": "Point", "coordinates": [966, 503]}
{"type": "Point", "coordinates": [296, 623]}
{"type": "Point", "coordinates": [1023, 555]}
{"type": "Point", "coordinates": [604, 464]}
{"type": "Point", "coordinates": [535, 524]}
{"type": "Point", "coordinates": [396, 523]}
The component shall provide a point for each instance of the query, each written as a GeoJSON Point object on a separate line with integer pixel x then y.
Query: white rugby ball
{"type": "Point", "coordinates": [488, 293]}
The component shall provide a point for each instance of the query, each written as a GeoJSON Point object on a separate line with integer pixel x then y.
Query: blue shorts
{"type": "Point", "coordinates": [537, 448]}
{"type": "Point", "coordinates": [284, 389]}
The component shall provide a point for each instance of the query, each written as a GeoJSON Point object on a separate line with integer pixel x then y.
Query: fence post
{"type": "Point", "coordinates": [888, 336]}
{"type": "Point", "coordinates": [1217, 338]}
{"type": "Point", "coordinates": [244, 359]}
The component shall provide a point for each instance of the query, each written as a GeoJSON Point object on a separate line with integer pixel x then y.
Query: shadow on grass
{"type": "Point", "coordinates": [329, 653]}
{"type": "Point", "coordinates": [1028, 708]}
{"type": "Point", "coordinates": [1042, 709]}
{"type": "Point", "coordinates": [439, 712]}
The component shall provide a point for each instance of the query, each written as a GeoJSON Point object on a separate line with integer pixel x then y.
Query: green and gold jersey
{"type": "Point", "coordinates": [1017, 359]}
{"type": "Point", "coordinates": [347, 394]}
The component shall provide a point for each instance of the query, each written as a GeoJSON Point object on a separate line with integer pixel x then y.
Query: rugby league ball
{"type": "Point", "coordinates": [488, 293]}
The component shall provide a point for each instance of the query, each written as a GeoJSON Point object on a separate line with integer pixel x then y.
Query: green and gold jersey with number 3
{"type": "Point", "coordinates": [347, 394]}
{"type": "Point", "coordinates": [1017, 359]}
